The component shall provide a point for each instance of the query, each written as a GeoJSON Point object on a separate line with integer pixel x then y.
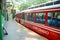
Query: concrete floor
{"type": "Point", "coordinates": [18, 32]}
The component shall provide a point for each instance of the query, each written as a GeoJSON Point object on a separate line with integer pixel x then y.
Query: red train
{"type": "Point", "coordinates": [43, 19]}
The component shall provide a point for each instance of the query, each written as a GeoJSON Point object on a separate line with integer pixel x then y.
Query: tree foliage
{"type": "Point", "coordinates": [29, 3]}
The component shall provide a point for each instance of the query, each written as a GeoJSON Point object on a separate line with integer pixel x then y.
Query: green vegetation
{"type": "Point", "coordinates": [0, 25]}
{"type": "Point", "coordinates": [0, 21]}
{"type": "Point", "coordinates": [24, 4]}
{"type": "Point", "coordinates": [31, 3]}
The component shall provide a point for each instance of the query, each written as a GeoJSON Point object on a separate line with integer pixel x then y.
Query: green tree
{"type": "Point", "coordinates": [31, 2]}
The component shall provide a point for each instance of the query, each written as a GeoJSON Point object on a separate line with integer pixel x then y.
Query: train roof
{"type": "Point", "coordinates": [55, 4]}
{"type": "Point", "coordinates": [45, 4]}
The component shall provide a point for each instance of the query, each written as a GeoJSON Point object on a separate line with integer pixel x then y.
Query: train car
{"type": "Point", "coordinates": [44, 20]}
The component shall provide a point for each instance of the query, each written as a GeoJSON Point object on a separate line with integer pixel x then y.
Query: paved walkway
{"type": "Point", "coordinates": [19, 32]}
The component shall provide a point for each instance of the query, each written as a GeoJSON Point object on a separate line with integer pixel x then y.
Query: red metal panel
{"type": "Point", "coordinates": [44, 32]}
{"type": "Point", "coordinates": [46, 18]}
{"type": "Point", "coordinates": [35, 17]}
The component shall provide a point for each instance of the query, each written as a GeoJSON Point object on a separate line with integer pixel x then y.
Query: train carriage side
{"type": "Point", "coordinates": [47, 27]}
{"type": "Point", "coordinates": [44, 20]}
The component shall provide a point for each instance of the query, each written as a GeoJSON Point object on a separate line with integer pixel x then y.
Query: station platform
{"type": "Point", "coordinates": [17, 31]}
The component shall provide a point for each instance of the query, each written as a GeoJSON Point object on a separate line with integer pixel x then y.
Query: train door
{"type": "Point", "coordinates": [18, 18]}
{"type": "Point", "coordinates": [22, 18]}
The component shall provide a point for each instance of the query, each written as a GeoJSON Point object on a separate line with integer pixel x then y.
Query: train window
{"type": "Point", "coordinates": [40, 18]}
{"type": "Point", "coordinates": [26, 16]}
{"type": "Point", "coordinates": [54, 19]}
{"type": "Point", "coordinates": [31, 16]}
{"type": "Point", "coordinates": [42, 5]}
{"type": "Point", "coordinates": [48, 4]}
{"type": "Point", "coordinates": [57, 2]}
{"type": "Point", "coordinates": [21, 15]}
